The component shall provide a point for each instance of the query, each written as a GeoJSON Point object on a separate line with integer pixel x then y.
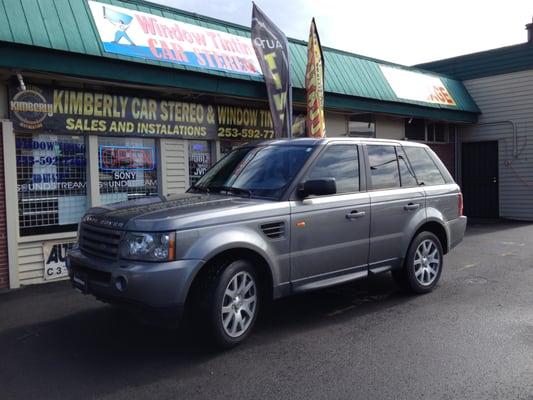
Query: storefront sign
{"type": "Point", "coordinates": [417, 86]}
{"type": "Point", "coordinates": [60, 110]}
{"type": "Point", "coordinates": [113, 158]}
{"type": "Point", "coordinates": [55, 256]}
{"type": "Point", "coordinates": [151, 37]}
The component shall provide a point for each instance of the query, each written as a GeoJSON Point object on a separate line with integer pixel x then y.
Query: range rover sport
{"type": "Point", "coordinates": [270, 220]}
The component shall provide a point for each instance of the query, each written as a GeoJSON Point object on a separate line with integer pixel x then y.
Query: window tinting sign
{"type": "Point", "coordinates": [147, 36]}
{"type": "Point", "coordinates": [113, 158]}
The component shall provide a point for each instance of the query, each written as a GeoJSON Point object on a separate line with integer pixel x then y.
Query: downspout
{"type": "Point", "coordinates": [515, 136]}
{"type": "Point", "coordinates": [457, 154]}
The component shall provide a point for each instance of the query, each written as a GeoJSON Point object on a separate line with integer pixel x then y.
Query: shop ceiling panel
{"type": "Point", "coordinates": [67, 25]}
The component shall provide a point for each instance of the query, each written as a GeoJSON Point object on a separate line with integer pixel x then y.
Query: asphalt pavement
{"type": "Point", "coordinates": [472, 338]}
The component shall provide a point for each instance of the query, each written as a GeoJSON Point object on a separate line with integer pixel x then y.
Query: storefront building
{"type": "Point", "coordinates": [496, 169]}
{"type": "Point", "coordinates": [120, 100]}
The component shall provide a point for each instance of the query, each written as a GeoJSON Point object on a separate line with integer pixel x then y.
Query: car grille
{"type": "Point", "coordinates": [98, 241]}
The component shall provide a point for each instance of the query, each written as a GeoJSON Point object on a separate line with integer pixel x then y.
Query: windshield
{"type": "Point", "coordinates": [263, 171]}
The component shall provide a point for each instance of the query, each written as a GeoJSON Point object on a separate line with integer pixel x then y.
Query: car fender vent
{"type": "Point", "coordinates": [274, 230]}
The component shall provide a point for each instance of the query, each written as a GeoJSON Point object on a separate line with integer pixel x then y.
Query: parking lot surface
{"type": "Point", "coordinates": [472, 338]}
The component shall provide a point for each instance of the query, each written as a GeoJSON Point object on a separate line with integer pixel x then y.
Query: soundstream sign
{"type": "Point", "coordinates": [141, 35]}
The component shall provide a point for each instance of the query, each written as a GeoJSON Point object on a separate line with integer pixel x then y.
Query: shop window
{"type": "Point", "coordinates": [128, 168]}
{"type": "Point", "coordinates": [51, 182]}
{"type": "Point", "coordinates": [421, 130]}
{"type": "Point", "coordinates": [438, 133]}
{"type": "Point", "coordinates": [362, 126]}
{"type": "Point", "coordinates": [200, 159]}
{"type": "Point", "coordinates": [415, 129]}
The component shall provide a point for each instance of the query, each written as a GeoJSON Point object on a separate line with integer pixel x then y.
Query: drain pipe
{"type": "Point", "coordinates": [513, 127]}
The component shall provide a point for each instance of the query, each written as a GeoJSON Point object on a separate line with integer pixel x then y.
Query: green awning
{"type": "Point", "coordinates": [50, 35]}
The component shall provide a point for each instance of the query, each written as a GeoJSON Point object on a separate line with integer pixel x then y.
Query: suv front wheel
{"type": "Point", "coordinates": [423, 264]}
{"type": "Point", "coordinates": [233, 297]}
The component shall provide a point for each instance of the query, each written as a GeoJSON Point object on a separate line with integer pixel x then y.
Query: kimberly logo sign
{"type": "Point", "coordinates": [150, 37]}
{"type": "Point", "coordinates": [31, 107]}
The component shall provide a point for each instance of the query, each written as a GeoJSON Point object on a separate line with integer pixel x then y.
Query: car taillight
{"type": "Point", "coordinates": [460, 204]}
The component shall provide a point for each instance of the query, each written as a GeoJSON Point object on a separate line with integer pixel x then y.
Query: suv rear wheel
{"type": "Point", "coordinates": [423, 264]}
{"type": "Point", "coordinates": [232, 303]}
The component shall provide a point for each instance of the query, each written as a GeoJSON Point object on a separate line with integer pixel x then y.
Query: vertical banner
{"type": "Point", "coordinates": [272, 50]}
{"type": "Point", "coordinates": [314, 85]}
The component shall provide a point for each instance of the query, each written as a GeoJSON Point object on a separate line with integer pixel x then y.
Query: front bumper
{"type": "Point", "coordinates": [159, 287]}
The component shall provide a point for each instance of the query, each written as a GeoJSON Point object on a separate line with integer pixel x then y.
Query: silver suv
{"type": "Point", "coordinates": [273, 219]}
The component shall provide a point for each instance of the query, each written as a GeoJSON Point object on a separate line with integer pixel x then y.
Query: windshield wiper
{"type": "Point", "coordinates": [201, 189]}
{"type": "Point", "coordinates": [232, 189]}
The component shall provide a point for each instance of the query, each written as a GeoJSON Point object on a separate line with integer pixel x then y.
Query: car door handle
{"type": "Point", "coordinates": [355, 214]}
{"type": "Point", "coordinates": [411, 206]}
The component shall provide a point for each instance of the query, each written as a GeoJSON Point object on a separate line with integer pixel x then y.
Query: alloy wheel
{"type": "Point", "coordinates": [239, 304]}
{"type": "Point", "coordinates": [427, 262]}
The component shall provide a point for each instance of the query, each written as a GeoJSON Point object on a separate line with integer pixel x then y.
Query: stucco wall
{"type": "Point", "coordinates": [336, 124]}
{"type": "Point", "coordinates": [390, 128]}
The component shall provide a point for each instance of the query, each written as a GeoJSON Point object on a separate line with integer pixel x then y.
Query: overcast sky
{"type": "Point", "coordinates": [402, 31]}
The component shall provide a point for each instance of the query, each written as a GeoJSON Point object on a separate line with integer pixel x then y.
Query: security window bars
{"type": "Point", "coordinates": [51, 182]}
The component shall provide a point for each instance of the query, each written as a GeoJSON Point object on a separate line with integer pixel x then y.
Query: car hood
{"type": "Point", "coordinates": [184, 211]}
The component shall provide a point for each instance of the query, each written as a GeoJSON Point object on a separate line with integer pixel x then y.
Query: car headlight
{"type": "Point", "coordinates": [148, 246]}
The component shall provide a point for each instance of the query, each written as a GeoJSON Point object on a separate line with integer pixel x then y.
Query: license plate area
{"type": "Point", "coordinates": [80, 282]}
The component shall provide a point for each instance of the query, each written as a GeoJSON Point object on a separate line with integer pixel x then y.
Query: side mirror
{"type": "Point", "coordinates": [317, 187]}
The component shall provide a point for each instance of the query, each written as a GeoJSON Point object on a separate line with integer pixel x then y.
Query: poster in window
{"type": "Point", "coordinates": [55, 256]}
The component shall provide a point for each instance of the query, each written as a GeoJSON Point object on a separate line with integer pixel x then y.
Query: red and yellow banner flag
{"type": "Point", "coordinates": [314, 85]}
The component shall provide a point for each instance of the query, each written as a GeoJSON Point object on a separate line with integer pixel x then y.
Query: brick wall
{"type": "Point", "coordinates": [446, 153]}
{"type": "Point", "coordinates": [4, 264]}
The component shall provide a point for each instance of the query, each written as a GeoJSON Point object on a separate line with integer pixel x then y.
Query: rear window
{"type": "Point", "coordinates": [425, 169]}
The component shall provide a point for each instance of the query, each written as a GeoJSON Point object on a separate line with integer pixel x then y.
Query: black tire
{"type": "Point", "coordinates": [213, 291]}
{"type": "Point", "coordinates": [406, 277]}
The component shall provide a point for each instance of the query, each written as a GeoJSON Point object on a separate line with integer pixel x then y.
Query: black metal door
{"type": "Point", "coordinates": [480, 179]}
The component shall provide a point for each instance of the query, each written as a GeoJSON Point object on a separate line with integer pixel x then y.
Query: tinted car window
{"type": "Point", "coordinates": [262, 171]}
{"type": "Point", "coordinates": [407, 175]}
{"type": "Point", "coordinates": [425, 169]}
{"type": "Point", "coordinates": [340, 162]}
{"type": "Point", "coordinates": [383, 166]}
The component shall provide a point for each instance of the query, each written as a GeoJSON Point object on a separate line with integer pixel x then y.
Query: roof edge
{"type": "Point", "coordinates": [476, 54]}
{"type": "Point", "coordinates": [53, 61]}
